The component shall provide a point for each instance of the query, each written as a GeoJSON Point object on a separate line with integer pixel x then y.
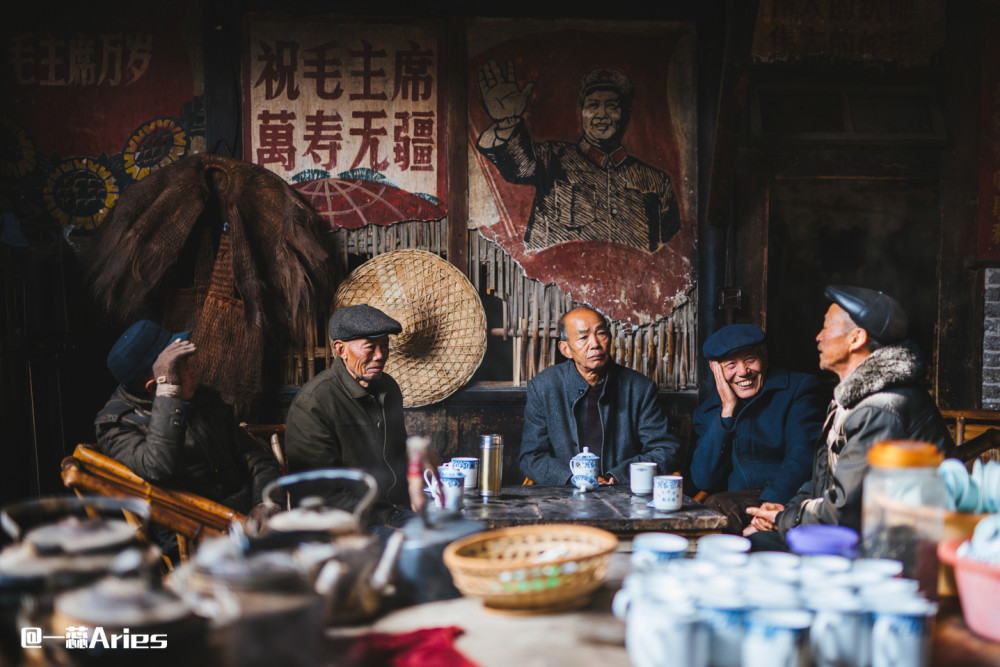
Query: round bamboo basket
{"type": "Point", "coordinates": [531, 569]}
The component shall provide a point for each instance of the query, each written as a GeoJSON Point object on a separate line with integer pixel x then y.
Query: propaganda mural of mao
{"type": "Point", "coordinates": [583, 157]}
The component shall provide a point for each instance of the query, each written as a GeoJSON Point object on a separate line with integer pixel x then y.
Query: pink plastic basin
{"type": "Point", "coordinates": [978, 590]}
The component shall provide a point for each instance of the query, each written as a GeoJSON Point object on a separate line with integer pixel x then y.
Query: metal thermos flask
{"type": "Point", "coordinates": [491, 464]}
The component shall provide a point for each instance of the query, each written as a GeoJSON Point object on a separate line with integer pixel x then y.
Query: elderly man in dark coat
{"type": "Point", "coordinates": [881, 396]}
{"type": "Point", "coordinates": [756, 432]}
{"type": "Point", "coordinates": [592, 402]}
{"type": "Point", "coordinates": [170, 430]}
{"type": "Point", "coordinates": [351, 415]}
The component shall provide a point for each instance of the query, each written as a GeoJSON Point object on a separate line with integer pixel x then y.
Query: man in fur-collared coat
{"type": "Point", "coordinates": [880, 397]}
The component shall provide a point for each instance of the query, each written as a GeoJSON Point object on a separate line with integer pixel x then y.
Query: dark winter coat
{"type": "Point", "coordinates": [635, 428]}
{"type": "Point", "coordinates": [882, 399]}
{"type": "Point", "coordinates": [768, 443]}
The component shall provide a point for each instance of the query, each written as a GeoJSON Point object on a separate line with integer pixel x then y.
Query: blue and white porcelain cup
{"type": "Point", "coordinates": [453, 485]}
{"type": "Point", "coordinates": [668, 492]}
{"type": "Point", "coordinates": [901, 632]}
{"type": "Point", "coordinates": [777, 637]}
{"type": "Point", "coordinates": [583, 467]}
{"type": "Point", "coordinates": [652, 549]}
{"type": "Point", "coordinates": [469, 465]}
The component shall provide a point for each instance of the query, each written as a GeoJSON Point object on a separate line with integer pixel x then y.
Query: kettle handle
{"type": "Point", "coordinates": [324, 474]}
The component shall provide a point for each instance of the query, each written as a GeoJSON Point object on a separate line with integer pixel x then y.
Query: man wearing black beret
{"type": "Point", "coordinates": [351, 415]}
{"type": "Point", "coordinates": [881, 396]}
{"type": "Point", "coordinates": [169, 429]}
{"type": "Point", "coordinates": [756, 432]}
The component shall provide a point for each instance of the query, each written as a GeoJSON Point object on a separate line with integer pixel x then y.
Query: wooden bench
{"type": "Point", "coordinates": [191, 516]}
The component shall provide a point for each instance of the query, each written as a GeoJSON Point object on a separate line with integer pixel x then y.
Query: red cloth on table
{"type": "Point", "coordinates": [430, 647]}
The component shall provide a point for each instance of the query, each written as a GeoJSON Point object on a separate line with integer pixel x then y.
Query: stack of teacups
{"type": "Point", "coordinates": [772, 608]}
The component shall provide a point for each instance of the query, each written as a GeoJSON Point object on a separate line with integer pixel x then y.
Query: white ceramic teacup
{"type": "Point", "coordinates": [641, 475]}
{"type": "Point", "coordinates": [841, 633]}
{"type": "Point", "coordinates": [469, 465]}
{"type": "Point", "coordinates": [723, 611]}
{"type": "Point", "coordinates": [668, 492]}
{"type": "Point", "coordinates": [453, 487]}
{"type": "Point", "coordinates": [901, 632]}
{"type": "Point", "coordinates": [652, 549]}
{"type": "Point", "coordinates": [777, 637]}
{"type": "Point", "coordinates": [665, 633]}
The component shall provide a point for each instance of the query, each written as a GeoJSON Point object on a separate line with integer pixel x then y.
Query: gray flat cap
{"type": "Point", "coordinates": [876, 312]}
{"type": "Point", "coordinates": [361, 321]}
{"type": "Point", "coordinates": [731, 338]}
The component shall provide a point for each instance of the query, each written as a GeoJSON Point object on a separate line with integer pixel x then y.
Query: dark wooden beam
{"type": "Point", "coordinates": [457, 64]}
{"type": "Point", "coordinates": [741, 17]}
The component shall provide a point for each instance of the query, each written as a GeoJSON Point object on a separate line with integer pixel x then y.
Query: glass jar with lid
{"type": "Point", "coordinates": [902, 508]}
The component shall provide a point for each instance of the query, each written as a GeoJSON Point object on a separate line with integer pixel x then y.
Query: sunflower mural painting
{"type": "Point", "coordinates": [93, 103]}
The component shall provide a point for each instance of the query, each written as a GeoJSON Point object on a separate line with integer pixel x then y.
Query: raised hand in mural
{"type": "Point", "coordinates": [504, 100]}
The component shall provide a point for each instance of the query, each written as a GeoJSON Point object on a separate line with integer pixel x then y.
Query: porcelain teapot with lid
{"type": "Point", "coordinates": [584, 468]}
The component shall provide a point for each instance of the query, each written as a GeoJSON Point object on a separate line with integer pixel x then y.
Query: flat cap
{"type": "Point", "coordinates": [876, 312]}
{"type": "Point", "coordinates": [361, 321]}
{"type": "Point", "coordinates": [134, 352]}
{"type": "Point", "coordinates": [605, 78]}
{"type": "Point", "coordinates": [731, 338]}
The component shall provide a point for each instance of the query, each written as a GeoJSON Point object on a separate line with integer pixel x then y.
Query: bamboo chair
{"type": "Point", "coordinates": [191, 516]}
{"type": "Point", "coordinates": [975, 435]}
{"type": "Point", "coordinates": [275, 431]}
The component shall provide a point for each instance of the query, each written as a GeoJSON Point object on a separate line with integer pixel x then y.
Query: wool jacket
{"type": "Point", "coordinates": [768, 443]}
{"type": "Point", "coordinates": [882, 399]}
{"type": "Point", "coordinates": [194, 445]}
{"type": "Point", "coordinates": [334, 422]}
{"type": "Point", "coordinates": [634, 426]}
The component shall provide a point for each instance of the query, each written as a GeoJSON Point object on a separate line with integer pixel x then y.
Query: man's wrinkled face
{"type": "Point", "coordinates": [833, 340]}
{"type": "Point", "coordinates": [588, 340]}
{"type": "Point", "coordinates": [601, 116]}
{"type": "Point", "coordinates": [744, 371]}
{"type": "Point", "coordinates": [364, 357]}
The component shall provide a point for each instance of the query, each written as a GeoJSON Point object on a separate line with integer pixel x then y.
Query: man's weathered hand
{"type": "Point", "coordinates": [726, 393]}
{"type": "Point", "coordinates": [504, 99]}
{"type": "Point", "coordinates": [603, 481]}
{"type": "Point", "coordinates": [170, 361]}
{"type": "Point", "coordinates": [763, 517]}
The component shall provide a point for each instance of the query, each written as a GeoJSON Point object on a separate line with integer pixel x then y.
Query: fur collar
{"type": "Point", "coordinates": [890, 366]}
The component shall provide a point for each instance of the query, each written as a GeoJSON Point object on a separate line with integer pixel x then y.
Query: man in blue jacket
{"type": "Point", "coordinates": [594, 403]}
{"type": "Point", "coordinates": [756, 433]}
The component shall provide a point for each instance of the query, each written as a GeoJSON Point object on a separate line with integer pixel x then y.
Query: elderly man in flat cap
{"type": "Point", "coordinates": [591, 190]}
{"type": "Point", "coordinates": [351, 415]}
{"type": "Point", "coordinates": [881, 396]}
{"type": "Point", "coordinates": [756, 432]}
{"type": "Point", "coordinates": [169, 429]}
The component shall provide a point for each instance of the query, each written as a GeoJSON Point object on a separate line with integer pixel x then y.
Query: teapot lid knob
{"type": "Point", "coordinates": [586, 450]}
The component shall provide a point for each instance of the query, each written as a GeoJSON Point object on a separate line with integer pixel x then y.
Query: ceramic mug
{"type": "Point", "coordinates": [469, 465]}
{"type": "Point", "coordinates": [453, 486]}
{"type": "Point", "coordinates": [665, 633]}
{"type": "Point", "coordinates": [641, 475]}
{"type": "Point", "coordinates": [777, 637]}
{"type": "Point", "coordinates": [901, 632]}
{"type": "Point", "coordinates": [668, 492]}
{"type": "Point", "coordinates": [651, 549]}
{"type": "Point", "coordinates": [841, 633]}
{"type": "Point", "coordinates": [434, 488]}
{"type": "Point", "coordinates": [724, 614]}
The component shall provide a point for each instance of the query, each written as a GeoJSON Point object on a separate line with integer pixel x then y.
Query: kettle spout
{"type": "Point", "coordinates": [382, 575]}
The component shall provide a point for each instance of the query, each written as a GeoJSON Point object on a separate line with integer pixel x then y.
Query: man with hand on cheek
{"type": "Point", "coordinates": [757, 430]}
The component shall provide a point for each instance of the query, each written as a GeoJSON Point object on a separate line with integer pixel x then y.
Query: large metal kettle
{"type": "Point", "coordinates": [350, 569]}
{"type": "Point", "coordinates": [58, 543]}
{"type": "Point", "coordinates": [421, 575]}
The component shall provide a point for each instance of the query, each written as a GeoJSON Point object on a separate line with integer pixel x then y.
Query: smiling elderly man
{"type": "Point", "coordinates": [881, 396]}
{"type": "Point", "coordinates": [757, 430]}
{"type": "Point", "coordinates": [590, 401]}
{"type": "Point", "coordinates": [351, 415]}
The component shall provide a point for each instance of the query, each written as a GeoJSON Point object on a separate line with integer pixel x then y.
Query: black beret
{"type": "Point", "coordinates": [133, 354]}
{"type": "Point", "coordinates": [732, 338]}
{"type": "Point", "coordinates": [361, 321]}
{"type": "Point", "coordinates": [876, 312]}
